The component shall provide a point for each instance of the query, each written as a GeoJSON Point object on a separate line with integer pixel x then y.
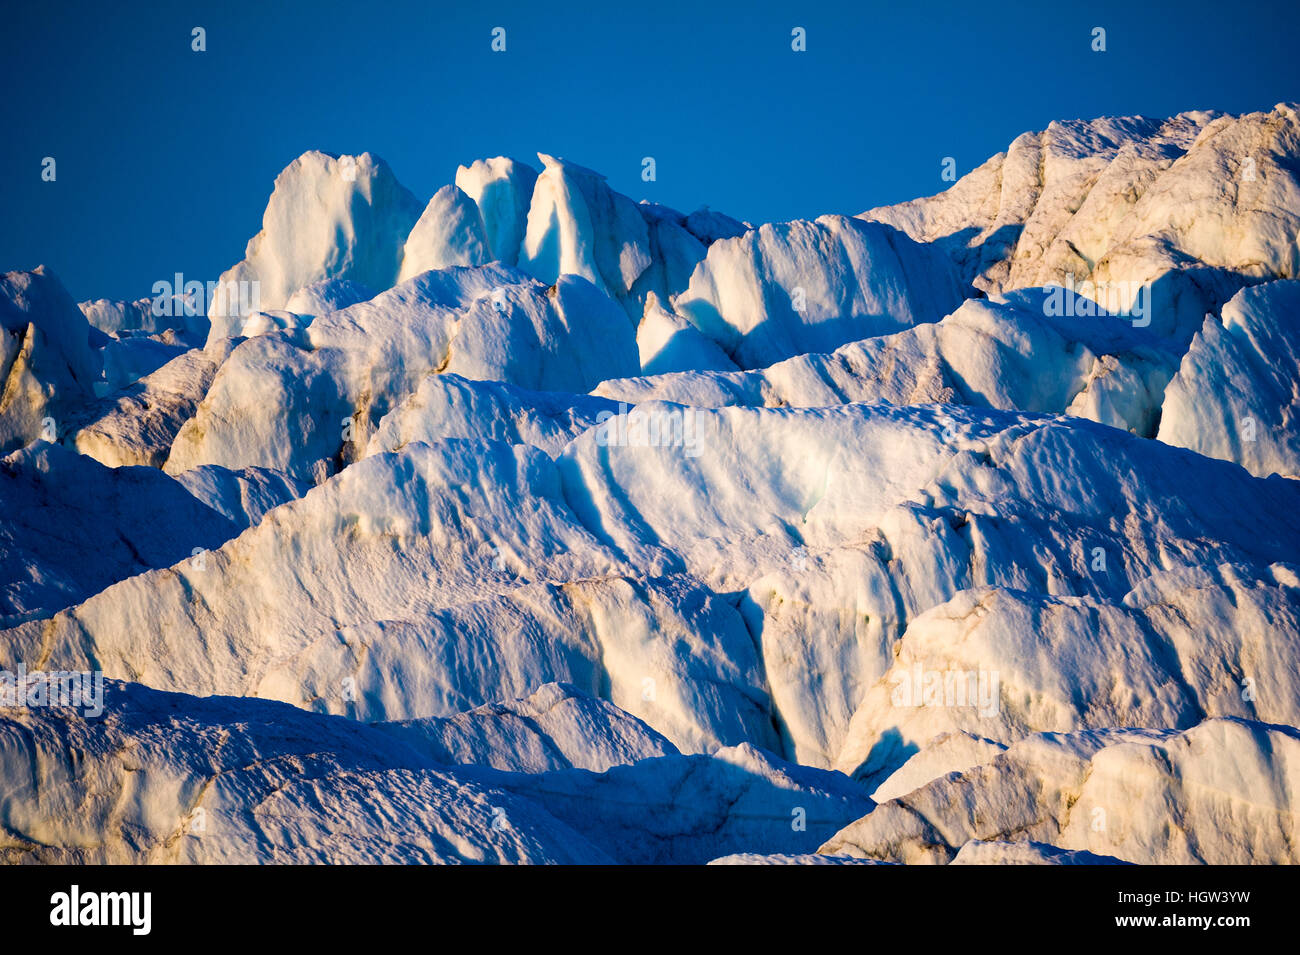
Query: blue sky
{"type": "Point", "coordinates": [165, 157]}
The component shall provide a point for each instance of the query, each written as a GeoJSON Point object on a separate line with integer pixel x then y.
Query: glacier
{"type": "Point", "coordinates": [530, 523]}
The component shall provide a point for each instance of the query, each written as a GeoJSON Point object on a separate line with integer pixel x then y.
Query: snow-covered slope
{"type": "Point", "coordinates": [245, 496]}
{"type": "Point", "coordinates": [870, 517]}
{"type": "Point", "coordinates": [669, 343]}
{"type": "Point", "coordinates": [449, 406]}
{"type": "Point", "coordinates": [867, 516]}
{"type": "Point", "coordinates": [577, 225]}
{"type": "Point", "coordinates": [421, 584]}
{"type": "Point", "coordinates": [327, 295]}
{"type": "Point", "coordinates": [163, 777]}
{"type": "Point", "coordinates": [557, 727]}
{"type": "Point", "coordinates": [691, 809]}
{"type": "Point", "coordinates": [999, 665]}
{"type": "Point", "coordinates": [158, 320]}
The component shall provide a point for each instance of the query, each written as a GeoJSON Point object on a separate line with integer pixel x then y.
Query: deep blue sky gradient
{"type": "Point", "coordinates": [166, 156]}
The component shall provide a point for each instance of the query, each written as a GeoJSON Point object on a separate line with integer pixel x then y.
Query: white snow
{"type": "Point", "coordinates": [557, 727]}
{"type": "Point", "coordinates": [327, 295]}
{"type": "Point", "coordinates": [138, 424]}
{"type": "Point", "coordinates": [1040, 658]}
{"type": "Point", "coordinates": [1007, 355]}
{"type": "Point", "coordinates": [449, 406]}
{"type": "Point", "coordinates": [692, 809]}
{"type": "Point", "coordinates": [668, 343]}
{"type": "Point", "coordinates": [977, 852]}
{"type": "Point", "coordinates": [456, 571]}
{"type": "Point", "coordinates": [244, 496]}
{"type": "Point", "coordinates": [221, 781]}
{"type": "Point", "coordinates": [265, 322]}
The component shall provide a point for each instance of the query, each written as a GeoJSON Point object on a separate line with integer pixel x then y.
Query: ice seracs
{"type": "Point", "coordinates": [535, 524]}
{"type": "Point", "coordinates": [674, 254]}
{"type": "Point", "coordinates": [327, 295]}
{"type": "Point", "coordinates": [1010, 354]}
{"type": "Point", "coordinates": [1194, 207]}
{"type": "Point", "coordinates": [450, 232]}
{"type": "Point", "coordinates": [578, 225]}
{"type": "Point", "coordinates": [47, 366]}
{"type": "Point", "coordinates": [709, 225]}
{"type": "Point", "coordinates": [137, 424]}
{"type": "Point", "coordinates": [998, 665]}
{"type": "Point", "coordinates": [503, 190]}
{"type": "Point", "coordinates": [458, 575]}
{"type": "Point", "coordinates": [692, 809]}
{"type": "Point", "coordinates": [328, 218]}
{"type": "Point", "coordinates": [1235, 395]}
{"type": "Point", "coordinates": [306, 402]}
{"type": "Point", "coordinates": [264, 322]}
{"type": "Point", "coordinates": [146, 316]}
{"type": "Point", "coordinates": [449, 406]}
{"type": "Point", "coordinates": [1222, 792]}
{"type": "Point", "coordinates": [840, 525]}
{"type": "Point", "coordinates": [795, 287]}
{"type": "Point", "coordinates": [71, 527]}
{"type": "Point", "coordinates": [977, 852]}
{"type": "Point", "coordinates": [244, 496]}
{"type": "Point", "coordinates": [223, 781]}
{"type": "Point", "coordinates": [668, 343]}
{"type": "Point", "coordinates": [555, 728]}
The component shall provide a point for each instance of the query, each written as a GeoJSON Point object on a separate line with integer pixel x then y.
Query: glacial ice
{"type": "Point", "coordinates": [1235, 394]}
{"type": "Point", "coordinates": [328, 218]}
{"type": "Point", "coordinates": [535, 524]}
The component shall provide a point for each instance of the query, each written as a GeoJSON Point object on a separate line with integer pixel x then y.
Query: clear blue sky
{"type": "Point", "coordinates": [166, 156]}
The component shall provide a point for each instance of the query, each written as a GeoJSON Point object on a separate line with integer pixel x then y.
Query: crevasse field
{"type": "Point", "coordinates": [534, 524]}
